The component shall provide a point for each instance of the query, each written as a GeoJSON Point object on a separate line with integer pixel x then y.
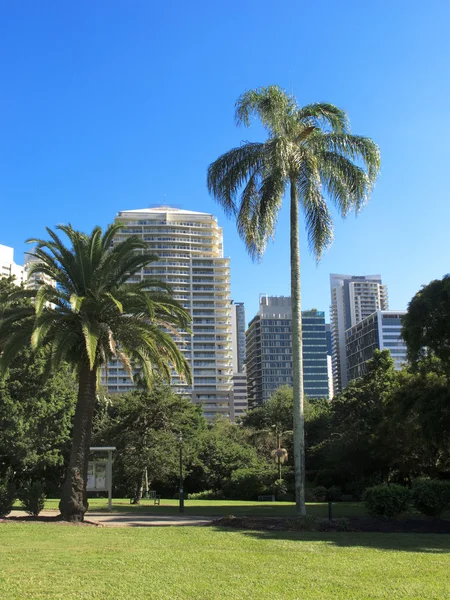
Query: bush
{"type": "Point", "coordinates": [249, 483]}
{"type": "Point", "coordinates": [7, 496]}
{"type": "Point", "coordinates": [286, 497]}
{"type": "Point", "coordinates": [431, 497]}
{"type": "Point", "coordinates": [387, 500]}
{"type": "Point", "coordinates": [334, 493]}
{"type": "Point", "coordinates": [279, 488]}
{"type": "Point", "coordinates": [32, 497]}
{"type": "Point", "coordinates": [320, 493]}
{"type": "Point", "coordinates": [207, 495]}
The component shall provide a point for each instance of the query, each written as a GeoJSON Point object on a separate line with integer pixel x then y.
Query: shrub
{"type": "Point", "coordinates": [32, 497]}
{"type": "Point", "coordinates": [7, 496]}
{"type": "Point", "coordinates": [431, 497]}
{"type": "Point", "coordinates": [387, 500]}
{"type": "Point", "coordinates": [320, 493]}
{"type": "Point", "coordinates": [207, 495]}
{"type": "Point", "coordinates": [279, 488]}
{"type": "Point", "coordinates": [334, 493]}
{"type": "Point", "coordinates": [343, 524]}
{"type": "Point", "coordinates": [286, 497]}
{"type": "Point", "coordinates": [249, 483]}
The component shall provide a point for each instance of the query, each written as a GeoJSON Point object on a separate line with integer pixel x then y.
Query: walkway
{"type": "Point", "coordinates": [116, 519]}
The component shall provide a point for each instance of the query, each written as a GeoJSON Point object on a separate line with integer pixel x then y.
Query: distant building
{"type": "Point", "coordinates": [240, 394]}
{"type": "Point", "coordinates": [353, 298]}
{"type": "Point", "coordinates": [8, 268]}
{"type": "Point", "coordinates": [34, 280]}
{"type": "Point", "coordinates": [189, 245]}
{"type": "Point", "coordinates": [379, 331]}
{"type": "Point", "coordinates": [238, 335]}
{"type": "Point", "coordinates": [269, 350]}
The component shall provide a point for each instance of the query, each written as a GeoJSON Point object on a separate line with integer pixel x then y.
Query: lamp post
{"type": "Point", "coordinates": [180, 439]}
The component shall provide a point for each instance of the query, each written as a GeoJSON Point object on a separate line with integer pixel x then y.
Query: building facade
{"type": "Point", "coordinates": [379, 331]}
{"type": "Point", "coordinates": [8, 268]}
{"type": "Point", "coordinates": [269, 351]}
{"type": "Point", "coordinates": [353, 298]}
{"type": "Point", "coordinates": [238, 335]}
{"type": "Point", "coordinates": [190, 250]}
{"type": "Point", "coordinates": [240, 394]}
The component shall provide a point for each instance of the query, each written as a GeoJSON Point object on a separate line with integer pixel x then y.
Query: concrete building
{"type": "Point", "coordinates": [190, 249]}
{"type": "Point", "coordinates": [240, 394]}
{"type": "Point", "coordinates": [379, 331]}
{"type": "Point", "coordinates": [238, 335]}
{"type": "Point", "coordinates": [269, 350]}
{"type": "Point", "coordinates": [353, 298]}
{"type": "Point", "coordinates": [8, 268]}
{"type": "Point", "coordinates": [34, 280]}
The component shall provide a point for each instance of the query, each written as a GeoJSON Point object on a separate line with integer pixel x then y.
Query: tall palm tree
{"type": "Point", "coordinates": [93, 315]}
{"type": "Point", "coordinates": [310, 151]}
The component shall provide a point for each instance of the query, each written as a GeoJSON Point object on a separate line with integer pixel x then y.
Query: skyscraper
{"type": "Point", "coordinates": [353, 298]}
{"type": "Point", "coordinates": [379, 331]}
{"type": "Point", "coordinates": [190, 249]}
{"type": "Point", "coordinates": [269, 350]}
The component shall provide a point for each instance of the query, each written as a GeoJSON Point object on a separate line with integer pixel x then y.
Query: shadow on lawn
{"type": "Point", "coordinates": [398, 542]}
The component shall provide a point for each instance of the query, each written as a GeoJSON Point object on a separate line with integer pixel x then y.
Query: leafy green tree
{"type": "Point", "coordinates": [36, 416]}
{"type": "Point", "coordinates": [309, 151]}
{"type": "Point", "coordinates": [426, 325]}
{"type": "Point", "coordinates": [144, 425]}
{"type": "Point", "coordinates": [92, 316]}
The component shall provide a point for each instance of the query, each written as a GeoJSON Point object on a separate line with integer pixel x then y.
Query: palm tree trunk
{"type": "Point", "coordinates": [297, 358]}
{"type": "Point", "coordinates": [73, 502]}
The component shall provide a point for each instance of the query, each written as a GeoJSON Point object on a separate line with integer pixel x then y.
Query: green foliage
{"type": "Point", "coordinates": [431, 497]}
{"type": "Point", "coordinates": [320, 494]}
{"type": "Point", "coordinates": [279, 488]}
{"type": "Point", "coordinates": [207, 495]}
{"type": "Point", "coordinates": [7, 494]}
{"type": "Point", "coordinates": [334, 493]}
{"type": "Point", "coordinates": [36, 416]}
{"type": "Point", "coordinates": [387, 500]}
{"type": "Point", "coordinates": [343, 524]}
{"type": "Point", "coordinates": [426, 325]}
{"type": "Point", "coordinates": [32, 496]}
{"type": "Point", "coordinates": [144, 425]}
{"type": "Point", "coordinates": [248, 483]}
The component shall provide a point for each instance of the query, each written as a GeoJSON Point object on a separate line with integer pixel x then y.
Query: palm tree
{"type": "Point", "coordinates": [310, 151]}
{"type": "Point", "coordinates": [92, 316]}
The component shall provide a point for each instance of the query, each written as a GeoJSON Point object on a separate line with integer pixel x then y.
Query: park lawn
{"type": "Point", "coordinates": [219, 508]}
{"type": "Point", "coordinates": [64, 562]}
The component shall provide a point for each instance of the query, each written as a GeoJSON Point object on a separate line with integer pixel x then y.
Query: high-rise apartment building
{"type": "Point", "coordinates": [34, 280]}
{"type": "Point", "coordinates": [240, 394]}
{"type": "Point", "coordinates": [269, 350]}
{"type": "Point", "coordinates": [353, 298]}
{"type": "Point", "coordinates": [379, 331]}
{"type": "Point", "coordinates": [190, 249]}
{"type": "Point", "coordinates": [8, 268]}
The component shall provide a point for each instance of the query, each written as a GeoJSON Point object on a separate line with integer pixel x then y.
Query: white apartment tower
{"type": "Point", "coordinates": [8, 268]}
{"type": "Point", "coordinates": [190, 250]}
{"type": "Point", "coordinates": [353, 298]}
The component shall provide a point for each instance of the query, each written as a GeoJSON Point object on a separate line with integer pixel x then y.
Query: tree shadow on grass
{"type": "Point", "coordinates": [399, 542]}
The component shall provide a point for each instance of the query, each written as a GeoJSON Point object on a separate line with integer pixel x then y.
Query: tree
{"type": "Point", "coordinates": [144, 425]}
{"type": "Point", "coordinates": [310, 151]}
{"type": "Point", "coordinates": [92, 316]}
{"type": "Point", "coordinates": [426, 325]}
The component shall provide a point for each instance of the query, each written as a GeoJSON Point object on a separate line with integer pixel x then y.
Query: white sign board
{"type": "Point", "coordinates": [97, 476]}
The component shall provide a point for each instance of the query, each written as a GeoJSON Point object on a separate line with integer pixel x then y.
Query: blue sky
{"type": "Point", "coordinates": [108, 105]}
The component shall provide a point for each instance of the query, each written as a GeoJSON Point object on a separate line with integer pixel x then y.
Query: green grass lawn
{"type": "Point", "coordinates": [63, 562]}
{"type": "Point", "coordinates": [219, 507]}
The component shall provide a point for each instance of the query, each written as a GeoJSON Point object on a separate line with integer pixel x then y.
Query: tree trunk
{"type": "Point", "coordinates": [297, 358]}
{"type": "Point", "coordinates": [73, 502]}
{"type": "Point", "coordinates": [139, 487]}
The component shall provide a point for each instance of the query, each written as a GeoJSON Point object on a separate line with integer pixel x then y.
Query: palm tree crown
{"type": "Point", "coordinates": [309, 147]}
{"type": "Point", "coordinates": [93, 315]}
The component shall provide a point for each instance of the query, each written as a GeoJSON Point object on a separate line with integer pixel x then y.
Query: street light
{"type": "Point", "coordinates": [180, 439]}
